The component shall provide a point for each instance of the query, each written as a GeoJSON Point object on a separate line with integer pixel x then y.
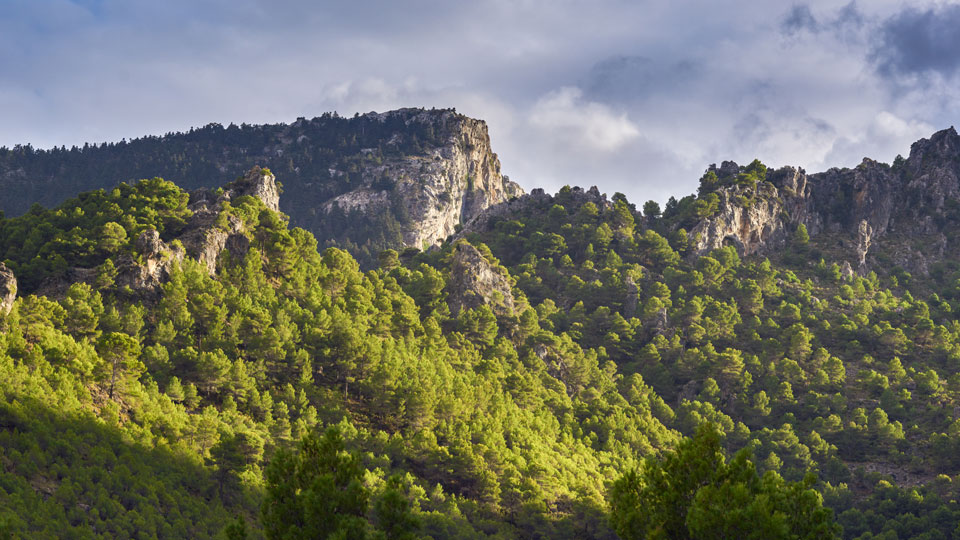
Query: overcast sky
{"type": "Point", "coordinates": [632, 96]}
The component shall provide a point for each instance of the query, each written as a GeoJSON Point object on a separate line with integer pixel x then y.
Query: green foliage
{"type": "Point", "coordinates": [695, 493]}
{"type": "Point", "coordinates": [316, 492]}
{"type": "Point", "coordinates": [486, 422]}
{"type": "Point", "coordinates": [89, 231]}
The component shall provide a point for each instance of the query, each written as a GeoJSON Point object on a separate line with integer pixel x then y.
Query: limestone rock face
{"type": "Point", "coordinates": [475, 282]}
{"type": "Point", "coordinates": [759, 217]}
{"type": "Point", "coordinates": [206, 235]}
{"type": "Point", "coordinates": [868, 204]}
{"type": "Point", "coordinates": [448, 185]}
{"type": "Point", "coordinates": [259, 183]}
{"type": "Point", "coordinates": [864, 236]}
{"type": "Point", "coordinates": [158, 258]}
{"type": "Point", "coordinates": [8, 289]}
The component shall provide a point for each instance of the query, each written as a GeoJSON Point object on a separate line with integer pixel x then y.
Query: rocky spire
{"type": "Point", "coordinates": [8, 289]}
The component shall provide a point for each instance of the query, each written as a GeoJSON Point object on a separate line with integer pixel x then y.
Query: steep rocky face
{"type": "Point", "coordinates": [207, 233]}
{"type": "Point", "coordinates": [866, 205]}
{"type": "Point", "coordinates": [754, 218]}
{"type": "Point", "coordinates": [449, 185]}
{"type": "Point", "coordinates": [475, 282]}
{"type": "Point", "coordinates": [158, 258]}
{"type": "Point", "coordinates": [8, 289]}
{"type": "Point", "coordinates": [257, 182]}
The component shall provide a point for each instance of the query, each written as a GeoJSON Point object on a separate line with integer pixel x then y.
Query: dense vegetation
{"type": "Point", "coordinates": [179, 414]}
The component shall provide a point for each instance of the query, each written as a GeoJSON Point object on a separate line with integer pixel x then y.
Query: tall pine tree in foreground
{"type": "Point", "coordinates": [695, 493]}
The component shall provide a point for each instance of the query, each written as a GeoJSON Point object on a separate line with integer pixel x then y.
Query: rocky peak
{"type": "Point", "coordinates": [445, 187]}
{"type": "Point", "coordinates": [259, 183]}
{"type": "Point", "coordinates": [756, 217]}
{"type": "Point", "coordinates": [157, 260]}
{"type": "Point", "coordinates": [865, 203]}
{"type": "Point", "coordinates": [474, 282]}
{"type": "Point", "coordinates": [942, 146]}
{"type": "Point", "coordinates": [8, 289]}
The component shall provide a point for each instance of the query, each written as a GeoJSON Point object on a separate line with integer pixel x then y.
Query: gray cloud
{"type": "Point", "coordinates": [799, 18]}
{"type": "Point", "coordinates": [844, 22]}
{"type": "Point", "coordinates": [634, 97]}
{"type": "Point", "coordinates": [920, 42]}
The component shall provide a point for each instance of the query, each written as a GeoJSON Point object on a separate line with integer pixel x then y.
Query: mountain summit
{"type": "Point", "coordinates": [403, 178]}
{"type": "Point", "coordinates": [915, 198]}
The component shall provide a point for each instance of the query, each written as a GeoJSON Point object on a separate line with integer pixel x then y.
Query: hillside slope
{"type": "Point", "coordinates": [160, 349]}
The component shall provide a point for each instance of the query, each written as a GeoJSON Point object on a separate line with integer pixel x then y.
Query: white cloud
{"type": "Point", "coordinates": [564, 114]}
{"type": "Point", "coordinates": [886, 136]}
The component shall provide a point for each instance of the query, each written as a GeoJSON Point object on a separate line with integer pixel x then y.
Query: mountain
{"type": "Point", "coordinates": [186, 363]}
{"type": "Point", "coordinates": [404, 178]}
{"type": "Point", "coordinates": [876, 213]}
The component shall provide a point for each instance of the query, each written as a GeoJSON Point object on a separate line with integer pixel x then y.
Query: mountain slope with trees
{"type": "Point", "coordinates": [188, 365]}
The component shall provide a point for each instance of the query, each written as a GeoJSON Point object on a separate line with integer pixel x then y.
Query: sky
{"type": "Point", "coordinates": [637, 97]}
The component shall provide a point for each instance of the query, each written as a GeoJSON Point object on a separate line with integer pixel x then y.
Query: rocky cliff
{"type": "Point", "coordinates": [375, 181]}
{"type": "Point", "coordinates": [861, 208]}
{"type": "Point", "coordinates": [210, 230]}
{"type": "Point", "coordinates": [8, 289]}
{"type": "Point", "coordinates": [474, 282]}
{"type": "Point", "coordinates": [448, 185]}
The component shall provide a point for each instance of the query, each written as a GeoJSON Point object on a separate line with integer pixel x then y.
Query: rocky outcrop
{"type": "Point", "coordinates": [475, 282]}
{"type": "Point", "coordinates": [209, 231]}
{"type": "Point", "coordinates": [864, 237]}
{"type": "Point", "coordinates": [447, 186]}
{"type": "Point", "coordinates": [756, 217]}
{"type": "Point", "coordinates": [157, 259]}
{"type": "Point", "coordinates": [914, 197]}
{"type": "Point", "coordinates": [259, 183]}
{"type": "Point", "coordinates": [8, 289]}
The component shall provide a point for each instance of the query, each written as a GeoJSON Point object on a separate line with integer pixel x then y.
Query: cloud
{"type": "Point", "coordinates": [567, 116]}
{"type": "Point", "coordinates": [637, 97]}
{"type": "Point", "coordinates": [799, 18]}
{"type": "Point", "coordinates": [844, 23]}
{"type": "Point", "coordinates": [919, 42]}
{"type": "Point", "coordinates": [886, 136]}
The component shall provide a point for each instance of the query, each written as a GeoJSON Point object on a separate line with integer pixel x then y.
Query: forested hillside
{"type": "Point", "coordinates": [180, 365]}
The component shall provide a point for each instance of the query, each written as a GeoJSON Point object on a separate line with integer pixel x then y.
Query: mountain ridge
{"type": "Point", "coordinates": [421, 173]}
{"type": "Point", "coordinates": [861, 205]}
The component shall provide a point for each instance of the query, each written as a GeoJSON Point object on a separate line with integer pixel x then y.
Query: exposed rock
{"type": "Point", "coordinates": [662, 322]}
{"type": "Point", "coordinates": [869, 202]}
{"type": "Point", "coordinates": [204, 240]}
{"type": "Point", "coordinates": [864, 237]}
{"type": "Point", "coordinates": [158, 259]}
{"type": "Point", "coordinates": [207, 235]}
{"type": "Point", "coordinates": [688, 392]}
{"type": "Point", "coordinates": [8, 289]}
{"type": "Point", "coordinates": [259, 183]}
{"type": "Point", "coordinates": [758, 217]}
{"type": "Point", "coordinates": [475, 282]}
{"type": "Point", "coordinates": [449, 186]}
{"type": "Point", "coordinates": [846, 270]}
